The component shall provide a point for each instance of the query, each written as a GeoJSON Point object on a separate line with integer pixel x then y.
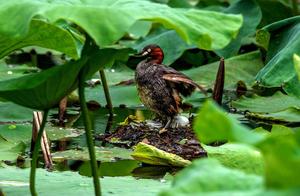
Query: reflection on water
{"type": "Point", "coordinates": [117, 168]}
{"type": "Point", "coordinates": [104, 122]}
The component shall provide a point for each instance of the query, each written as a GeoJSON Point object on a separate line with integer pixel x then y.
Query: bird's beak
{"type": "Point", "coordinates": [141, 54]}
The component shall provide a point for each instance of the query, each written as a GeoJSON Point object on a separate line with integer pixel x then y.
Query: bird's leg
{"type": "Point", "coordinates": [165, 128]}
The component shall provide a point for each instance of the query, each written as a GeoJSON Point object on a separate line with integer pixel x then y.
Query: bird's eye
{"type": "Point", "coordinates": [149, 50]}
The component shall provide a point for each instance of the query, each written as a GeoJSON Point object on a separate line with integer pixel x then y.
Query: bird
{"type": "Point", "coordinates": [160, 87]}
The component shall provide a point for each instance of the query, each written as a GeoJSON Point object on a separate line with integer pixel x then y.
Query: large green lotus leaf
{"type": "Point", "coordinates": [280, 150]}
{"type": "Point", "coordinates": [44, 89]}
{"type": "Point", "coordinates": [283, 44]}
{"type": "Point", "coordinates": [41, 34]}
{"type": "Point", "coordinates": [151, 155]}
{"type": "Point", "coordinates": [180, 3]}
{"type": "Point", "coordinates": [128, 92]}
{"type": "Point", "coordinates": [278, 107]}
{"type": "Point", "coordinates": [238, 156]}
{"type": "Point", "coordinates": [282, 157]}
{"type": "Point", "coordinates": [10, 112]}
{"type": "Point", "coordinates": [210, 176]}
{"type": "Point", "coordinates": [269, 104]}
{"type": "Point", "coordinates": [9, 72]}
{"type": "Point", "coordinates": [102, 154]}
{"type": "Point", "coordinates": [59, 133]}
{"type": "Point", "coordinates": [213, 124]}
{"type": "Point", "coordinates": [140, 29]}
{"type": "Point", "coordinates": [14, 181]}
{"type": "Point", "coordinates": [243, 67]}
{"type": "Point", "coordinates": [287, 115]}
{"type": "Point", "coordinates": [9, 151]}
{"type": "Point", "coordinates": [251, 18]}
{"type": "Point", "coordinates": [269, 15]}
{"type": "Point", "coordinates": [172, 45]}
{"type": "Point", "coordinates": [106, 57]}
{"type": "Point", "coordinates": [16, 132]}
{"type": "Point", "coordinates": [107, 22]}
{"type": "Point", "coordinates": [276, 130]}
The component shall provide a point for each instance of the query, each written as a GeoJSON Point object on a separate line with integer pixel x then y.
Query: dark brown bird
{"type": "Point", "coordinates": [159, 86]}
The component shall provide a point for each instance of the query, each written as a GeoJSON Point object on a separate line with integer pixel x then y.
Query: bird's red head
{"type": "Point", "coordinates": [153, 52]}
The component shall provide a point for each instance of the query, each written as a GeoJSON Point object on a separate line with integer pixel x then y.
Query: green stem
{"type": "Point", "coordinates": [295, 7]}
{"type": "Point", "coordinates": [88, 133]}
{"type": "Point", "coordinates": [36, 153]}
{"type": "Point", "coordinates": [106, 92]}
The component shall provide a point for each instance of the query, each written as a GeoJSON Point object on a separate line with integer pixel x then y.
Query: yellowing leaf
{"type": "Point", "coordinates": [154, 156]}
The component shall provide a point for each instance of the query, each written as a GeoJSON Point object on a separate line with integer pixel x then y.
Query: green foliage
{"type": "Point", "coordinates": [210, 176]}
{"type": "Point", "coordinates": [10, 112]}
{"type": "Point", "coordinates": [251, 18]}
{"type": "Point", "coordinates": [283, 44]}
{"type": "Point", "coordinates": [58, 133]}
{"type": "Point", "coordinates": [166, 39]}
{"type": "Point", "coordinates": [238, 156]}
{"type": "Point", "coordinates": [255, 162]}
{"type": "Point", "coordinates": [106, 23]}
{"type": "Point", "coordinates": [213, 124]}
{"type": "Point", "coordinates": [41, 34]}
{"type": "Point", "coordinates": [9, 151]}
{"type": "Point", "coordinates": [16, 132]}
{"type": "Point", "coordinates": [242, 67]}
{"type": "Point", "coordinates": [13, 139]}
{"type": "Point", "coordinates": [269, 15]}
{"type": "Point", "coordinates": [297, 65]}
{"type": "Point", "coordinates": [280, 150]}
{"type": "Point", "coordinates": [42, 90]}
{"type": "Point", "coordinates": [102, 154]}
{"type": "Point", "coordinates": [281, 153]}
{"type": "Point", "coordinates": [289, 115]}
{"type": "Point", "coordinates": [14, 182]}
{"type": "Point", "coordinates": [269, 104]}
{"type": "Point", "coordinates": [278, 107]}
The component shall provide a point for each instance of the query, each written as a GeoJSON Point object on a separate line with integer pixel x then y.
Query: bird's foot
{"type": "Point", "coordinates": [163, 130]}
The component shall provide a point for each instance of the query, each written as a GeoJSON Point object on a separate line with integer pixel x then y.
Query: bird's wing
{"type": "Point", "coordinates": [180, 82]}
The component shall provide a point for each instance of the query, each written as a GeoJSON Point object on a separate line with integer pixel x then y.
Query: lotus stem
{"type": "Point", "coordinates": [88, 133]}
{"type": "Point", "coordinates": [219, 84]}
{"type": "Point", "coordinates": [295, 7]}
{"type": "Point", "coordinates": [36, 153]}
{"type": "Point", "coordinates": [106, 92]}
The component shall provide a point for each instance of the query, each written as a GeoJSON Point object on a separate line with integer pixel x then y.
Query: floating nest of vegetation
{"type": "Point", "coordinates": [180, 141]}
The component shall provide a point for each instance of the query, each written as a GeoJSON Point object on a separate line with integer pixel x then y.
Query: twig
{"type": "Point", "coordinates": [37, 120]}
{"type": "Point", "coordinates": [62, 110]}
{"type": "Point", "coordinates": [36, 152]}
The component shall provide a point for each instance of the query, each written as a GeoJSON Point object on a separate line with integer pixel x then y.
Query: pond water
{"type": "Point", "coordinates": [103, 123]}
